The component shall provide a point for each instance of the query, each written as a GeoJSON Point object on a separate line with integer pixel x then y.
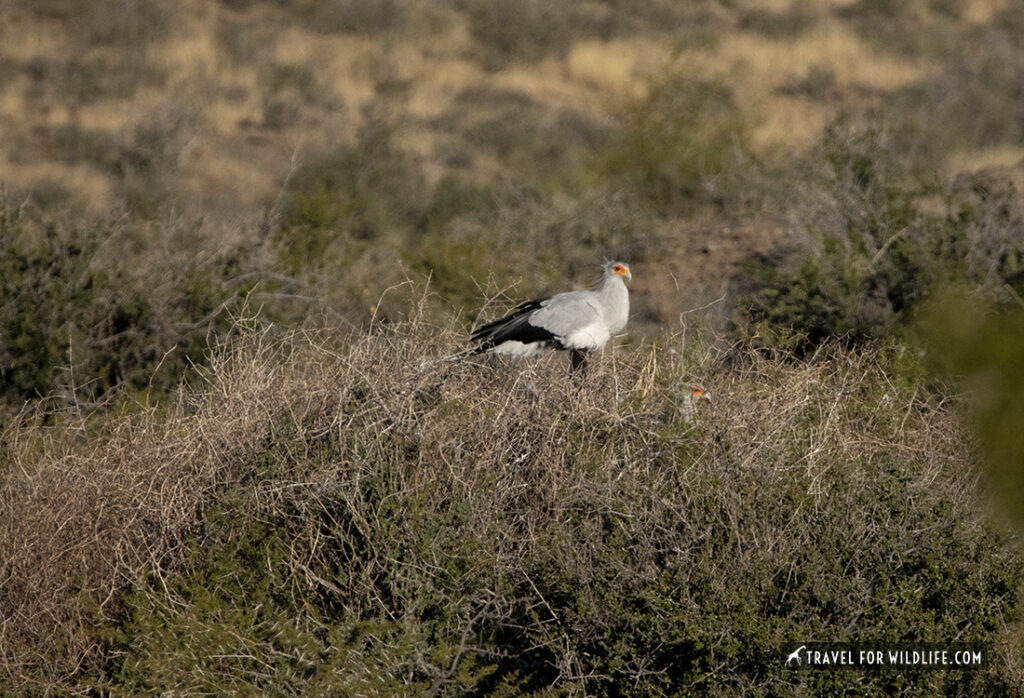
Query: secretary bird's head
{"type": "Point", "coordinates": [618, 269]}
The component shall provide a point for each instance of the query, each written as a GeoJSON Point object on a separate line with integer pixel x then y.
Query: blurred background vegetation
{"type": "Point", "coordinates": [821, 167]}
{"type": "Point", "coordinates": [805, 173]}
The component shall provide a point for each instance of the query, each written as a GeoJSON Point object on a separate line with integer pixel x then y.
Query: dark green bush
{"type": "Point", "coordinates": [64, 323]}
{"type": "Point", "coordinates": [876, 244]}
{"type": "Point", "coordinates": [78, 319]}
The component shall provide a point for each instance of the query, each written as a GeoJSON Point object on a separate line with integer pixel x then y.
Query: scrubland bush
{"type": "Point", "coordinates": [684, 132]}
{"type": "Point", "coordinates": [519, 31]}
{"type": "Point", "coordinates": [526, 136]}
{"type": "Point", "coordinates": [367, 191]}
{"type": "Point", "coordinates": [327, 514]}
{"type": "Point", "coordinates": [353, 16]}
{"type": "Point", "coordinates": [507, 33]}
{"type": "Point", "coordinates": [875, 243]}
{"type": "Point", "coordinates": [79, 321]}
{"type": "Point", "coordinates": [124, 28]}
{"type": "Point", "coordinates": [539, 242]}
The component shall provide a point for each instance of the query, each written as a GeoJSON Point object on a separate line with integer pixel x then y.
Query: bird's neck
{"type": "Point", "coordinates": [612, 287]}
{"type": "Point", "coordinates": [615, 296]}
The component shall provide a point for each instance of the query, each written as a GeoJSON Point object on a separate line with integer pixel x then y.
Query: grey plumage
{"type": "Point", "coordinates": [697, 398]}
{"type": "Point", "coordinates": [578, 321]}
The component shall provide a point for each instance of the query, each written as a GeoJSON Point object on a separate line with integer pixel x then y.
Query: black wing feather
{"type": "Point", "coordinates": [515, 327]}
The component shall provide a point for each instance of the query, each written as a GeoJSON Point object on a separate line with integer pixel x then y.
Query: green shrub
{"type": "Point", "coordinates": [876, 244]}
{"type": "Point", "coordinates": [63, 321]}
{"type": "Point", "coordinates": [369, 191]}
{"type": "Point", "coordinates": [682, 134]}
{"type": "Point", "coordinates": [80, 319]}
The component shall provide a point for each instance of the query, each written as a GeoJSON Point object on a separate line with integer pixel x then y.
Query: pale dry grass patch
{"type": "Point", "coordinates": [115, 115]}
{"type": "Point", "coordinates": [791, 122]}
{"type": "Point", "coordinates": [982, 11]}
{"type": "Point", "coordinates": [438, 82]}
{"type": "Point", "coordinates": [754, 60]}
{"type": "Point", "coordinates": [213, 171]}
{"type": "Point", "coordinates": [192, 52]}
{"type": "Point", "coordinates": [548, 83]}
{"type": "Point", "coordinates": [780, 6]}
{"type": "Point", "coordinates": [25, 38]}
{"type": "Point", "coordinates": [12, 100]}
{"type": "Point", "coordinates": [613, 67]}
{"type": "Point", "coordinates": [346, 64]}
{"type": "Point", "coordinates": [1006, 157]}
{"type": "Point", "coordinates": [82, 182]}
{"type": "Point", "coordinates": [432, 63]}
{"type": "Point", "coordinates": [757, 68]}
{"type": "Point", "coordinates": [212, 54]}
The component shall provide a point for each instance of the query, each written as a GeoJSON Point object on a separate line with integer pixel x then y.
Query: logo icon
{"type": "Point", "coordinates": [795, 655]}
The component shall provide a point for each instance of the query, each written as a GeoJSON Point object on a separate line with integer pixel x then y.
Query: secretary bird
{"type": "Point", "coordinates": [579, 322]}
{"type": "Point", "coordinates": [692, 402]}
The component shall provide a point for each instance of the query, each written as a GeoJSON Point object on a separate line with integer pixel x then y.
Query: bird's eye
{"type": "Point", "coordinates": [617, 267]}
